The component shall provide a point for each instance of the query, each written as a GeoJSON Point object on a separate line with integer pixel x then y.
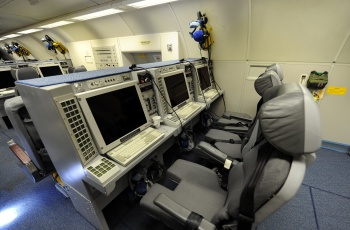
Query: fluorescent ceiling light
{"type": "Point", "coordinates": [146, 3]}
{"type": "Point", "coordinates": [97, 14]}
{"type": "Point", "coordinates": [12, 35]}
{"type": "Point", "coordinates": [29, 31]}
{"type": "Point", "coordinates": [56, 24]}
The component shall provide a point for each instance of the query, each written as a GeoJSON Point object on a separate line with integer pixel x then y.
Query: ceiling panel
{"type": "Point", "coordinates": [309, 31]}
{"type": "Point", "coordinates": [108, 27]}
{"type": "Point", "coordinates": [19, 13]}
{"type": "Point", "coordinates": [157, 19]}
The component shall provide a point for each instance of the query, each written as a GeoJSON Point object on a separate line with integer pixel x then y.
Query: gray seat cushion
{"type": "Point", "coordinates": [199, 190]}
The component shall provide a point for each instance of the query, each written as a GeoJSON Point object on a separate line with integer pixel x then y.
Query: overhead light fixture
{"type": "Point", "coordinates": [29, 31]}
{"type": "Point", "coordinates": [12, 35]}
{"type": "Point", "coordinates": [56, 24]}
{"type": "Point", "coordinates": [98, 14]}
{"type": "Point", "coordinates": [3, 38]}
{"type": "Point", "coordinates": [147, 3]}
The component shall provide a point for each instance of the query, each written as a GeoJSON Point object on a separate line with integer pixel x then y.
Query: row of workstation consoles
{"type": "Point", "coordinates": [98, 125]}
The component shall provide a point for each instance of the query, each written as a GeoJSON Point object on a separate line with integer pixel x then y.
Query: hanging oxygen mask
{"type": "Point", "coordinates": [201, 33]}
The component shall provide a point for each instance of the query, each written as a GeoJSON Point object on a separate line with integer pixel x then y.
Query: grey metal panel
{"type": "Point", "coordinates": [73, 77]}
{"type": "Point", "coordinates": [87, 209]}
{"type": "Point", "coordinates": [53, 132]}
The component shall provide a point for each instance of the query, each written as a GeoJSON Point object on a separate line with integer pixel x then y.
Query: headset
{"type": "Point", "coordinates": [141, 178]}
{"type": "Point", "coordinates": [200, 32]}
{"type": "Point", "coordinates": [8, 48]}
{"type": "Point", "coordinates": [18, 49]}
{"type": "Point", "coordinates": [54, 45]}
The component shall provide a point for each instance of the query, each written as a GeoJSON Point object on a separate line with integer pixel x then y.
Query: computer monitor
{"type": "Point", "coordinates": [176, 89]}
{"type": "Point", "coordinates": [6, 79]}
{"type": "Point", "coordinates": [114, 113]}
{"type": "Point", "coordinates": [204, 77]}
{"type": "Point", "coordinates": [50, 70]}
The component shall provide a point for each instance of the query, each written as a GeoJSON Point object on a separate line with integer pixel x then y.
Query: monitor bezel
{"type": "Point", "coordinates": [95, 131]}
{"type": "Point", "coordinates": [48, 65]}
{"type": "Point", "coordinates": [169, 74]}
{"type": "Point", "coordinates": [2, 69]}
{"type": "Point", "coordinates": [199, 80]}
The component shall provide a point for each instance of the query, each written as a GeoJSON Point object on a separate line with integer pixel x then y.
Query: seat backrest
{"type": "Point", "coordinates": [26, 73]}
{"type": "Point", "coordinates": [70, 69]}
{"type": "Point", "coordinates": [79, 69]}
{"type": "Point", "coordinates": [265, 81]}
{"type": "Point", "coordinates": [290, 125]}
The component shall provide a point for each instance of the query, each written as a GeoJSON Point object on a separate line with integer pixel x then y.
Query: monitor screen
{"type": "Point", "coordinates": [177, 88]}
{"type": "Point", "coordinates": [6, 79]}
{"type": "Point", "coordinates": [48, 71]}
{"type": "Point", "coordinates": [204, 79]}
{"type": "Point", "coordinates": [113, 112]}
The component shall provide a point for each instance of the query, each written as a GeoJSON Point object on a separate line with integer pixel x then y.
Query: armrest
{"type": "Point", "coordinates": [241, 116]}
{"type": "Point", "coordinates": [179, 212]}
{"type": "Point", "coordinates": [207, 151]}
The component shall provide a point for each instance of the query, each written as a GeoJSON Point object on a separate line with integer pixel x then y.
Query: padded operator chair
{"type": "Point", "coordinates": [290, 131]}
{"type": "Point", "coordinates": [24, 127]}
{"type": "Point", "coordinates": [245, 117]}
{"type": "Point", "coordinates": [27, 134]}
{"type": "Point", "coordinates": [230, 143]}
{"type": "Point", "coordinates": [24, 73]}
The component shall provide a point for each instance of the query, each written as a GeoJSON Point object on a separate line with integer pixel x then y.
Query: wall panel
{"type": "Point", "coordinates": [299, 31]}
{"type": "Point", "coordinates": [230, 77]}
{"type": "Point", "coordinates": [335, 109]}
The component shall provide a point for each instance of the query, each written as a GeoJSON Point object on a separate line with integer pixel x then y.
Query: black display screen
{"type": "Point", "coordinates": [48, 71]}
{"type": "Point", "coordinates": [177, 89]}
{"type": "Point", "coordinates": [204, 78]}
{"type": "Point", "coordinates": [6, 80]}
{"type": "Point", "coordinates": [117, 113]}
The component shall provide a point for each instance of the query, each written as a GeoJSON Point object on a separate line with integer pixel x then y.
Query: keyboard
{"type": "Point", "coordinates": [135, 146]}
{"type": "Point", "coordinates": [101, 170]}
{"type": "Point", "coordinates": [7, 92]}
{"type": "Point", "coordinates": [172, 120]}
{"type": "Point", "coordinates": [211, 93]}
{"type": "Point", "coordinates": [187, 110]}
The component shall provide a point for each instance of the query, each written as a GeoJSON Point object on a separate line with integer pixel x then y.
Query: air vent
{"type": "Point", "coordinates": [78, 130]}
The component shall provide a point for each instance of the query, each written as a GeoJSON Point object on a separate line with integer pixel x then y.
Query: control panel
{"type": "Point", "coordinates": [105, 57]}
{"type": "Point", "coordinates": [189, 78]}
{"type": "Point", "coordinates": [147, 91]}
{"type": "Point", "coordinates": [87, 85]}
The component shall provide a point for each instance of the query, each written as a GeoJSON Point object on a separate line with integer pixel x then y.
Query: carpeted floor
{"type": "Point", "coordinates": [323, 202]}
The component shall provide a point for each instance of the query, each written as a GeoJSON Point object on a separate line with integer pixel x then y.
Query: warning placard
{"type": "Point", "coordinates": [336, 90]}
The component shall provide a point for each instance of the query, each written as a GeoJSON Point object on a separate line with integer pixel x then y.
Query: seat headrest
{"type": "Point", "coordinates": [25, 73]}
{"type": "Point", "coordinates": [275, 67]}
{"type": "Point", "coordinates": [291, 121]}
{"type": "Point", "coordinates": [79, 69]}
{"type": "Point", "coordinates": [280, 90]}
{"type": "Point", "coordinates": [265, 81]}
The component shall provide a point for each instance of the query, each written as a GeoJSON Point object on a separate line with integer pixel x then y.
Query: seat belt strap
{"type": "Point", "coordinates": [246, 209]}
